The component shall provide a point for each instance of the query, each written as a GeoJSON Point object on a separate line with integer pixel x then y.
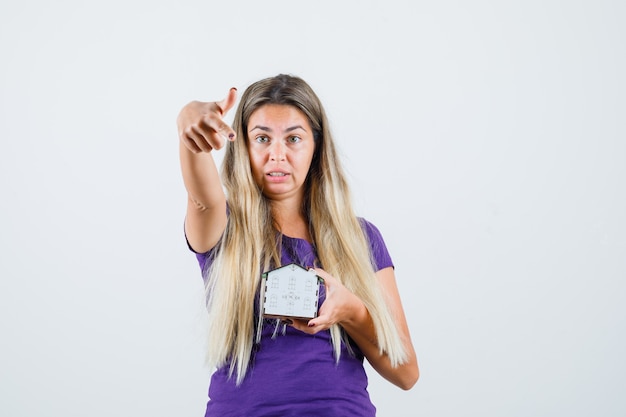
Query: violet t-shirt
{"type": "Point", "coordinates": [294, 373]}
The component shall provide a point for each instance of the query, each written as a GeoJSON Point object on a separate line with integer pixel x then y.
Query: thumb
{"type": "Point", "coordinates": [228, 103]}
{"type": "Point", "coordinates": [325, 276]}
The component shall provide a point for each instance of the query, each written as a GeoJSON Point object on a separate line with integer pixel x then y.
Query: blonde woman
{"type": "Point", "coordinates": [282, 198]}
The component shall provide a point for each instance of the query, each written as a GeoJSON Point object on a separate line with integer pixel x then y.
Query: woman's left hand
{"type": "Point", "coordinates": [339, 306]}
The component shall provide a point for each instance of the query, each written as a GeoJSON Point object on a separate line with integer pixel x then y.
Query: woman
{"type": "Point", "coordinates": [286, 200]}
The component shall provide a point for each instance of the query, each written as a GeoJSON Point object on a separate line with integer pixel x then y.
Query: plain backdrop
{"type": "Point", "coordinates": [485, 139]}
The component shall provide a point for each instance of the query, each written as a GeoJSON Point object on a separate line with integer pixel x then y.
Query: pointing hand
{"type": "Point", "coordinates": [201, 125]}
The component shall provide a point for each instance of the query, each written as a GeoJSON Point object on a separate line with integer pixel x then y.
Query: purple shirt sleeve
{"type": "Point", "coordinates": [380, 255]}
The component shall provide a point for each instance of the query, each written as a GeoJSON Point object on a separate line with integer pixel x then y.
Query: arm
{"type": "Point", "coordinates": [346, 309]}
{"type": "Point", "coordinates": [202, 129]}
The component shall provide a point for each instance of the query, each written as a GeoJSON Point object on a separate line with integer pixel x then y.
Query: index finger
{"type": "Point", "coordinates": [223, 107]}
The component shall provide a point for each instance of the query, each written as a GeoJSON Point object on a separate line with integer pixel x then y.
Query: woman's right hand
{"type": "Point", "coordinates": [201, 127]}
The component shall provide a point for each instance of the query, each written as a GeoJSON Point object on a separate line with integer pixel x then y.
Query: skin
{"type": "Point", "coordinates": [281, 148]}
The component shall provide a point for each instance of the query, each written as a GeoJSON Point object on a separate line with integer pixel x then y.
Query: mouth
{"type": "Point", "coordinates": [277, 174]}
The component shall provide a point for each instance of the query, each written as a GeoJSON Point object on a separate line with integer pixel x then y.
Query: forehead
{"type": "Point", "coordinates": [278, 117]}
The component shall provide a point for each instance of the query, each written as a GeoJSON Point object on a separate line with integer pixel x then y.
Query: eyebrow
{"type": "Point", "coordinates": [267, 129]}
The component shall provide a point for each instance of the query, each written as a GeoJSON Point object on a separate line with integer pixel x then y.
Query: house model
{"type": "Point", "coordinates": [290, 291]}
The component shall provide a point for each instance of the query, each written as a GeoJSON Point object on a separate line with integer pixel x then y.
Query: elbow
{"type": "Point", "coordinates": [408, 378]}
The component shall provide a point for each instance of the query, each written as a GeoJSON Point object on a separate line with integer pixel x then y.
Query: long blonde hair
{"type": "Point", "coordinates": [249, 244]}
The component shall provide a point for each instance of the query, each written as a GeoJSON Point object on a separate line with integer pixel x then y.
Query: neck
{"type": "Point", "coordinates": [290, 221]}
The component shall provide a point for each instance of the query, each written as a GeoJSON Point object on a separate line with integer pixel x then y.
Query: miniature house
{"type": "Point", "coordinates": [290, 291]}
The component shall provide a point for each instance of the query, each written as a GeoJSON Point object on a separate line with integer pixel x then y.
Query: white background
{"type": "Point", "coordinates": [485, 139]}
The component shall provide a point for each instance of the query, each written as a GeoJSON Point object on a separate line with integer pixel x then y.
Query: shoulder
{"type": "Point", "coordinates": [371, 231]}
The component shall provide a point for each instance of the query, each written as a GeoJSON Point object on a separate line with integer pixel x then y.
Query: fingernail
{"type": "Point", "coordinates": [231, 136]}
{"type": "Point", "coordinates": [311, 325]}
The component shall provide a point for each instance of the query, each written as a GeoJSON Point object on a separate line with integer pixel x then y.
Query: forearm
{"type": "Point", "coordinates": [360, 327]}
{"type": "Point", "coordinates": [343, 307]}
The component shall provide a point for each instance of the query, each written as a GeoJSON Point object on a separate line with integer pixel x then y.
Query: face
{"type": "Point", "coordinates": [281, 149]}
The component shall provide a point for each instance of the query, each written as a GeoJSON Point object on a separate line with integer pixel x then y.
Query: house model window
{"type": "Point", "coordinates": [290, 291]}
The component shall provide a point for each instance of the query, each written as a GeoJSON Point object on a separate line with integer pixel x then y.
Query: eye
{"type": "Point", "coordinates": [294, 139]}
{"type": "Point", "coordinates": [262, 139]}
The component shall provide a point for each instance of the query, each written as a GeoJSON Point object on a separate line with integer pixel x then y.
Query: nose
{"type": "Point", "coordinates": [277, 151]}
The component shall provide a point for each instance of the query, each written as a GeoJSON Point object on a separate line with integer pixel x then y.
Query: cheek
{"type": "Point", "coordinates": [255, 167]}
{"type": "Point", "coordinates": [308, 160]}
{"type": "Point", "coordinates": [255, 160]}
